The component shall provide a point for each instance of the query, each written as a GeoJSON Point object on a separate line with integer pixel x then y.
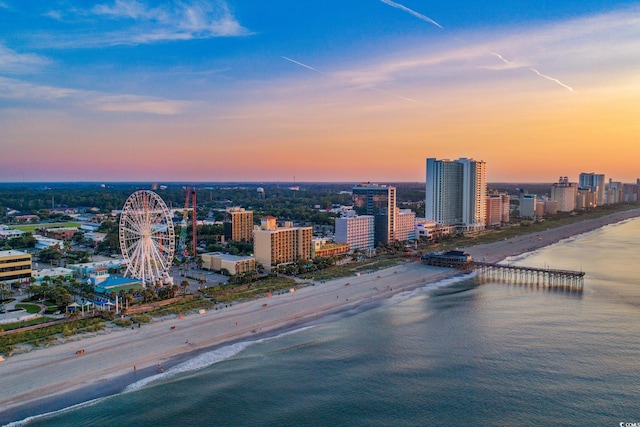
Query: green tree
{"type": "Point", "coordinates": [184, 285]}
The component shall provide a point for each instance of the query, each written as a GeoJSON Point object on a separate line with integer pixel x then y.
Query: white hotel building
{"type": "Point", "coordinates": [357, 231]}
{"type": "Point", "coordinates": [456, 193]}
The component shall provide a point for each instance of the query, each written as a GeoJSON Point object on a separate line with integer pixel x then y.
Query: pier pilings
{"type": "Point", "coordinates": [545, 277]}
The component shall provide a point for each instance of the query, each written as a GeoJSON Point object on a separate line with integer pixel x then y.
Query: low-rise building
{"type": "Point", "coordinates": [52, 273]}
{"type": "Point", "coordinates": [325, 248]}
{"type": "Point", "coordinates": [25, 218]}
{"type": "Point", "coordinates": [46, 242]}
{"type": "Point", "coordinates": [233, 264]}
{"type": "Point", "coordinates": [8, 233]}
{"type": "Point", "coordinates": [59, 233]}
{"type": "Point", "coordinates": [104, 283]}
{"type": "Point", "coordinates": [95, 237]}
{"type": "Point", "coordinates": [430, 230]}
{"type": "Point", "coordinates": [15, 267]}
{"type": "Point", "coordinates": [87, 268]}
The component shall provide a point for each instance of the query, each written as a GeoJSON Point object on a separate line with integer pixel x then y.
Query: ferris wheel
{"type": "Point", "coordinates": [147, 238]}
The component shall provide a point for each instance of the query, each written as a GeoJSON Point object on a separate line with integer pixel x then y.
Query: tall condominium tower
{"type": "Point", "coordinates": [456, 193]}
{"type": "Point", "coordinates": [379, 201]}
{"type": "Point", "coordinates": [595, 183]}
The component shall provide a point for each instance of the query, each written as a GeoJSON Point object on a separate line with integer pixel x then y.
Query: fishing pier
{"type": "Point", "coordinates": [544, 277]}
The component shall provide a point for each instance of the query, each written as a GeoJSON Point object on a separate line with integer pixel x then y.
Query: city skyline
{"type": "Point", "coordinates": [248, 91]}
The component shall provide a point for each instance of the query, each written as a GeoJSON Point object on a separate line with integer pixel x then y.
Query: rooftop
{"type": "Point", "coordinates": [12, 252]}
{"type": "Point", "coordinates": [228, 257]}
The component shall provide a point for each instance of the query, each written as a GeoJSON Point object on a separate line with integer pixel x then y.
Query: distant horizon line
{"type": "Point", "coordinates": [292, 183]}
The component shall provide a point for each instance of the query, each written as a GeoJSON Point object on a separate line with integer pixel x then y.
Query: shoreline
{"type": "Point", "coordinates": [55, 378]}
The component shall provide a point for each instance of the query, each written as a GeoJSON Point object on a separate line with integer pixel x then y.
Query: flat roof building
{"type": "Point", "coordinates": [15, 267]}
{"type": "Point", "coordinates": [273, 245]}
{"type": "Point", "coordinates": [456, 193]}
{"type": "Point", "coordinates": [233, 264]}
{"type": "Point", "coordinates": [565, 193]}
{"type": "Point", "coordinates": [357, 231]}
{"type": "Point", "coordinates": [238, 224]}
{"type": "Point", "coordinates": [380, 202]}
{"type": "Point", "coordinates": [596, 183]}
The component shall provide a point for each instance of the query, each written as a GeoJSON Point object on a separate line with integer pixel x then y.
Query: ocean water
{"type": "Point", "coordinates": [466, 352]}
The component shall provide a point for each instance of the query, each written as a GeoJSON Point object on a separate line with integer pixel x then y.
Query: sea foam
{"type": "Point", "coordinates": [205, 360]}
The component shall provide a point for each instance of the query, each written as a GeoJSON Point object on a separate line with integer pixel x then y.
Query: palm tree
{"type": "Point", "coordinates": [184, 285]}
{"type": "Point", "coordinates": [148, 294]}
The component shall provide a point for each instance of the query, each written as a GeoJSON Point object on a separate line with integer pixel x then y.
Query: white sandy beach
{"type": "Point", "coordinates": [31, 376]}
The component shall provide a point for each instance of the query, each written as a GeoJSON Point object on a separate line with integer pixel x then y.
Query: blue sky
{"type": "Point", "coordinates": [350, 90]}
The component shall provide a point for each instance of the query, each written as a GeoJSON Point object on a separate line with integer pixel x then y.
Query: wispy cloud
{"type": "Point", "coordinates": [139, 23]}
{"type": "Point", "coordinates": [21, 91]}
{"type": "Point", "coordinates": [13, 62]}
{"type": "Point", "coordinates": [413, 12]}
{"type": "Point", "coordinates": [137, 104]}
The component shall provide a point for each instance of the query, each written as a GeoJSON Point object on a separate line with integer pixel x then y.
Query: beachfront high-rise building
{"type": "Point", "coordinates": [456, 193]}
{"type": "Point", "coordinates": [586, 199]}
{"type": "Point", "coordinates": [565, 193]}
{"type": "Point", "coordinates": [238, 224]}
{"type": "Point", "coordinates": [595, 183]}
{"type": "Point", "coordinates": [405, 225]}
{"type": "Point", "coordinates": [497, 210]}
{"type": "Point", "coordinates": [355, 230]}
{"type": "Point", "coordinates": [273, 245]}
{"type": "Point", "coordinates": [379, 201]}
{"type": "Point", "coordinates": [528, 204]}
{"type": "Point", "coordinates": [614, 192]}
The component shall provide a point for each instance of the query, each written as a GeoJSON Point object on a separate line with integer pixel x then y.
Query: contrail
{"type": "Point", "coordinates": [413, 12]}
{"type": "Point", "coordinates": [431, 21]}
{"type": "Point", "coordinates": [570, 89]}
{"type": "Point", "coordinates": [502, 58]}
{"type": "Point", "coordinates": [400, 97]}
{"type": "Point", "coordinates": [371, 88]}
{"type": "Point", "coordinates": [301, 64]}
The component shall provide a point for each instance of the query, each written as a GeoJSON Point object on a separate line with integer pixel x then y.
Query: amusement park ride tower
{"type": "Point", "coordinates": [183, 253]}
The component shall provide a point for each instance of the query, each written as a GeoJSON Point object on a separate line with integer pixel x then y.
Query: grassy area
{"type": "Point", "coordinates": [183, 306]}
{"type": "Point", "coordinates": [229, 293]}
{"type": "Point", "coordinates": [140, 318]}
{"type": "Point", "coordinates": [347, 270]}
{"type": "Point", "coordinates": [124, 323]}
{"type": "Point", "coordinates": [16, 325]}
{"type": "Point", "coordinates": [48, 334]}
{"type": "Point", "coordinates": [30, 228]}
{"type": "Point", "coordinates": [31, 308]}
